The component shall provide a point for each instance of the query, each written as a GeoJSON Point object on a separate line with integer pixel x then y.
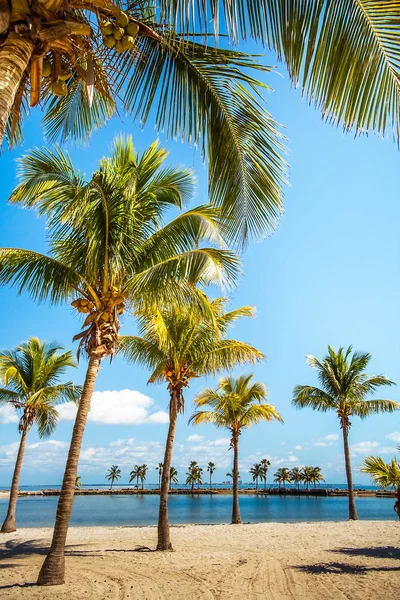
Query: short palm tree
{"type": "Point", "coordinates": [160, 471]}
{"type": "Point", "coordinates": [192, 474]}
{"type": "Point", "coordinates": [109, 250]}
{"type": "Point", "coordinates": [114, 473]}
{"type": "Point", "coordinates": [307, 473]}
{"type": "Point", "coordinates": [236, 404]}
{"type": "Point", "coordinates": [257, 473]}
{"type": "Point", "coordinates": [316, 476]}
{"type": "Point", "coordinates": [345, 387]}
{"type": "Point", "coordinates": [296, 475]}
{"type": "Point", "coordinates": [178, 345]}
{"type": "Point", "coordinates": [173, 476]}
{"type": "Point", "coordinates": [283, 476]}
{"type": "Point", "coordinates": [385, 475]}
{"type": "Point", "coordinates": [265, 465]}
{"type": "Point", "coordinates": [78, 483]}
{"type": "Point", "coordinates": [135, 474]}
{"type": "Point", "coordinates": [143, 474]}
{"type": "Point", "coordinates": [210, 470]}
{"type": "Point", "coordinates": [31, 374]}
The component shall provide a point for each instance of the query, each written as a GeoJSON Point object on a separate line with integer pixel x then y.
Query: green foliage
{"type": "Point", "coordinates": [383, 474]}
{"type": "Point", "coordinates": [283, 475]}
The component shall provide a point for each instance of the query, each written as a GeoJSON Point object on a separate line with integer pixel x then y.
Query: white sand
{"type": "Point", "coordinates": [271, 561]}
{"type": "Point", "coordinates": [4, 495]}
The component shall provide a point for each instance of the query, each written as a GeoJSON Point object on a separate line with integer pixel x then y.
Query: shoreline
{"type": "Point", "coordinates": [261, 561]}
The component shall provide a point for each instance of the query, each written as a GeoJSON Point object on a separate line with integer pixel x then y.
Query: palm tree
{"type": "Point", "coordinates": [31, 374]}
{"type": "Point", "coordinates": [192, 475]}
{"type": "Point", "coordinates": [142, 474]}
{"type": "Point", "coordinates": [109, 249]}
{"type": "Point", "coordinates": [328, 41]}
{"type": "Point", "coordinates": [160, 471]}
{"type": "Point", "coordinates": [211, 469]}
{"type": "Point", "coordinates": [78, 483]}
{"type": "Point", "coordinates": [135, 474]}
{"type": "Point", "coordinates": [265, 465]}
{"type": "Point", "coordinates": [307, 473]}
{"type": "Point", "coordinates": [257, 472]}
{"type": "Point", "coordinates": [113, 475]}
{"type": "Point", "coordinates": [199, 477]}
{"type": "Point", "coordinates": [173, 476]}
{"type": "Point", "coordinates": [235, 404]}
{"type": "Point", "coordinates": [283, 475]}
{"type": "Point", "coordinates": [297, 476]}
{"type": "Point", "coordinates": [316, 476]}
{"type": "Point", "coordinates": [385, 475]}
{"type": "Point", "coordinates": [179, 345]}
{"type": "Point", "coordinates": [345, 386]}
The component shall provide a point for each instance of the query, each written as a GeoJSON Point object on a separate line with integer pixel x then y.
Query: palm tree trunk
{"type": "Point", "coordinates": [164, 540]}
{"type": "Point", "coordinates": [53, 568]}
{"type": "Point", "coordinates": [210, 482]}
{"type": "Point", "coordinates": [352, 504]}
{"type": "Point", "coordinates": [10, 524]}
{"type": "Point", "coordinates": [397, 503]}
{"type": "Point", "coordinates": [15, 55]}
{"type": "Point", "coordinates": [235, 492]}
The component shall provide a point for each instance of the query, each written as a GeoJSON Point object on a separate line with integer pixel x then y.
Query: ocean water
{"type": "Point", "coordinates": [37, 511]}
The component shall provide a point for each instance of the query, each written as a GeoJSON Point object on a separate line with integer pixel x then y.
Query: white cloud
{"type": "Point", "coordinates": [195, 438]}
{"type": "Point", "coordinates": [327, 440]}
{"type": "Point", "coordinates": [124, 407]}
{"type": "Point", "coordinates": [298, 448]}
{"type": "Point", "coordinates": [331, 437]}
{"type": "Point", "coordinates": [394, 436]}
{"type": "Point", "coordinates": [292, 458]}
{"type": "Point", "coordinates": [364, 447]}
{"type": "Point", "coordinates": [8, 415]}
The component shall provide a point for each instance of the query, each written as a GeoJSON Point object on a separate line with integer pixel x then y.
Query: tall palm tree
{"type": "Point", "coordinates": [199, 476]}
{"type": "Point", "coordinates": [142, 474]}
{"type": "Point", "coordinates": [384, 474]}
{"type": "Point", "coordinates": [173, 476]}
{"type": "Point", "coordinates": [211, 469]}
{"type": "Point", "coordinates": [283, 475]}
{"type": "Point", "coordinates": [160, 471]}
{"type": "Point", "coordinates": [157, 58]}
{"type": "Point", "coordinates": [31, 374]}
{"type": "Point", "coordinates": [257, 472]}
{"type": "Point", "coordinates": [110, 249]}
{"type": "Point", "coordinates": [135, 474]}
{"type": "Point", "coordinates": [316, 476]}
{"type": "Point", "coordinates": [114, 473]}
{"type": "Point", "coordinates": [235, 404]}
{"type": "Point", "coordinates": [307, 474]}
{"type": "Point", "coordinates": [297, 476]}
{"type": "Point", "coordinates": [345, 386]}
{"type": "Point", "coordinates": [265, 465]}
{"type": "Point", "coordinates": [178, 345]}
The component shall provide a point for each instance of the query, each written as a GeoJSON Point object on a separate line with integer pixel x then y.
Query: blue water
{"type": "Point", "coordinates": [37, 511]}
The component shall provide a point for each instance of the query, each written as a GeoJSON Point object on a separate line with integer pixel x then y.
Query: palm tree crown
{"type": "Point", "coordinates": [283, 475]}
{"type": "Point", "coordinates": [114, 473]}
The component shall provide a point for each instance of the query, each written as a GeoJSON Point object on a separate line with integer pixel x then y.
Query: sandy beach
{"type": "Point", "coordinates": [270, 561]}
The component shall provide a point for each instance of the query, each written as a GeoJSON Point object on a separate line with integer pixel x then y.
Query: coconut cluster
{"type": "Point", "coordinates": [58, 85]}
{"type": "Point", "coordinates": [120, 34]}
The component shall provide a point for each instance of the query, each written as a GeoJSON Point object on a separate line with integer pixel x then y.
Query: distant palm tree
{"type": "Point", "coordinates": [113, 475]}
{"type": "Point", "coordinates": [179, 345]}
{"type": "Point", "coordinates": [257, 472]}
{"type": "Point", "coordinates": [199, 477]}
{"type": "Point", "coordinates": [211, 469]}
{"type": "Point", "coordinates": [173, 476]}
{"type": "Point", "coordinates": [265, 465]}
{"type": "Point", "coordinates": [345, 386]}
{"type": "Point", "coordinates": [316, 476]}
{"type": "Point", "coordinates": [235, 404]}
{"type": "Point", "coordinates": [297, 476]}
{"type": "Point", "coordinates": [192, 474]}
{"type": "Point", "coordinates": [283, 475]}
{"type": "Point", "coordinates": [78, 482]}
{"type": "Point", "coordinates": [142, 474]}
{"type": "Point", "coordinates": [160, 472]}
{"type": "Point", "coordinates": [31, 374]}
{"type": "Point", "coordinates": [307, 473]}
{"type": "Point", "coordinates": [385, 475]}
{"type": "Point", "coordinates": [135, 474]}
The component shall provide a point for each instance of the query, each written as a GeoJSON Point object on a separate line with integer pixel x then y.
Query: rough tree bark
{"type": "Point", "coordinates": [164, 540]}
{"type": "Point", "coordinates": [53, 568]}
{"type": "Point", "coordinates": [235, 498]}
{"type": "Point", "coordinates": [352, 503]}
{"type": "Point", "coordinates": [10, 524]}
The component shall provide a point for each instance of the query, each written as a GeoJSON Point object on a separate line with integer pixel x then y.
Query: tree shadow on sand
{"type": "Point", "coordinates": [374, 552]}
{"type": "Point", "coordinates": [341, 568]}
{"type": "Point", "coordinates": [18, 549]}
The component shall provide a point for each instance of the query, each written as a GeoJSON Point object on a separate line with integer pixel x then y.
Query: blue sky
{"type": "Point", "coordinates": [329, 275]}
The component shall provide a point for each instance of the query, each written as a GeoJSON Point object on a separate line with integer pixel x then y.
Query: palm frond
{"type": "Point", "coordinates": [306, 396]}
{"type": "Point", "coordinates": [368, 407]}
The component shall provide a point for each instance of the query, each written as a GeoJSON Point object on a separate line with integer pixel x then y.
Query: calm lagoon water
{"type": "Point", "coordinates": [120, 510]}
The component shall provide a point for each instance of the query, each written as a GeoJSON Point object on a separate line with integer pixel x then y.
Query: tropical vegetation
{"type": "Point", "coordinates": [257, 473]}
{"type": "Point", "coordinates": [265, 465]}
{"type": "Point", "coordinates": [236, 404]}
{"type": "Point", "coordinates": [114, 473]}
{"type": "Point", "coordinates": [178, 345]}
{"type": "Point", "coordinates": [344, 389]}
{"type": "Point", "coordinates": [31, 375]}
{"type": "Point", "coordinates": [210, 469]}
{"type": "Point", "coordinates": [283, 476]}
{"type": "Point", "coordinates": [173, 477]}
{"type": "Point", "coordinates": [384, 474]}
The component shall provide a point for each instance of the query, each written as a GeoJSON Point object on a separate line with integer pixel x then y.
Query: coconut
{"type": "Point", "coordinates": [59, 88]}
{"type": "Point", "coordinates": [118, 33]}
{"type": "Point", "coordinates": [127, 42]}
{"type": "Point", "coordinates": [132, 29]}
{"type": "Point", "coordinates": [119, 47]}
{"type": "Point", "coordinates": [64, 74]}
{"type": "Point", "coordinates": [76, 303]}
{"type": "Point", "coordinates": [122, 19]}
{"type": "Point", "coordinates": [46, 68]}
{"type": "Point", "coordinates": [109, 41]}
{"type": "Point", "coordinates": [84, 302]}
{"type": "Point", "coordinates": [107, 28]}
